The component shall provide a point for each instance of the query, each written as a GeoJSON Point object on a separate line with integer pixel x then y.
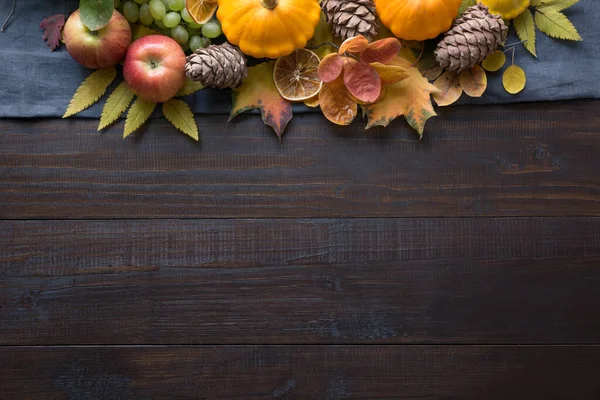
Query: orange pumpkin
{"type": "Point", "coordinates": [417, 19]}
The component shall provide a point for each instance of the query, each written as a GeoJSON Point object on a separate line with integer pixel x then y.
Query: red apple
{"type": "Point", "coordinates": [155, 68]}
{"type": "Point", "coordinates": [103, 48]}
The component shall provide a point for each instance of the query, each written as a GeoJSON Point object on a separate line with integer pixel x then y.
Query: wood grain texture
{"type": "Point", "coordinates": [511, 160]}
{"type": "Point", "coordinates": [451, 280]}
{"type": "Point", "coordinates": [301, 372]}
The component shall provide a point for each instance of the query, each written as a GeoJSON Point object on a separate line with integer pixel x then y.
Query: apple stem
{"type": "Point", "coordinates": [12, 11]}
{"type": "Point", "coordinates": [269, 4]}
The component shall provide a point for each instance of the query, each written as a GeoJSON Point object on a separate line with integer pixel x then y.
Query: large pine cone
{"type": "Point", "coordinates": [473, 36]}
{"type": "Point", "coordinates": [221, 66]}
{"type": "Point", "coordinates": [351, 17]}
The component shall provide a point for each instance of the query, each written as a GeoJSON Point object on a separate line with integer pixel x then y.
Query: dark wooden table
{"type": "Point", "coordinates": [337, 265]}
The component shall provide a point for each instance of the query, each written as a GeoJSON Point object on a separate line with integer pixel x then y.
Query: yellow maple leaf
{"type": "Point", "coordinates": [258, 91]}
{"type": "Point", "coordinates": [410, 97]}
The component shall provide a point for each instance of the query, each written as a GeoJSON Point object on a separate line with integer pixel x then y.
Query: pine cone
{"type": "Point", "coordinates": [351, 17]}
{"type": "Point", "coordinates": [220, 66]}
{"type": "Point", "coordinates": [473, 36]}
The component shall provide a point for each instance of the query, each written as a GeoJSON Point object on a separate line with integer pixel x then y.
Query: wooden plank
{"type": "Point", "coordinates": [485, 280]}
{"type": "Point", "coordinates": [511, 160]}
{"type": "Point", "coordinates": [301, 372]}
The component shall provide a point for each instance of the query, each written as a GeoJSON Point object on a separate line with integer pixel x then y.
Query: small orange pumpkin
{"type": "Point", "coordinates": [417, 19]}
{"type": "Point", "coordinates": [268, 28]}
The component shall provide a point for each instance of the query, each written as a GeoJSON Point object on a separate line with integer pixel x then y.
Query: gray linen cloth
{"type": "Point", "coordinates": [35, 82]}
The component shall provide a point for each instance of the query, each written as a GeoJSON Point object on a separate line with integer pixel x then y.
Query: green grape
{"type": "Point", "coordinates": [157, 9]}
{"type": "Point", "coordinates": [146, 17]}
{"type": "Point", "coordinates": [180, 34]}
{"type": "Point", "coordinates": [131, 12]}
{"type": "Point", "coordinates": [212, 29]}
{"type": "Point", "coordinates": [193, 32]}
{"type": "Point", "coordinates": [205, 42]}
{"type": "Point", "coordinates": [141, 1]}
{"type": "Point", "coordinates": [185, 15]}
{"type": "Point", "coordinates": [194, 25]}
{"type": "Point", "coordinates": [195, 43]}
{"type": "Point", "coordinates": [185, 46]}
{"type": "Point", "coordinates": [117, 3]}
{"type": "Point", "coordinates": [172, 19]}
{"type": "Point", "coordinates": [159, 24]}
{"type": "Point", "coordinates": [176, 5]}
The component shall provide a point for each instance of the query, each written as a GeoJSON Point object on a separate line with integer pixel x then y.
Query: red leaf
{"type": "Point", "coordinates": [383, 51]}
{"type": "Point", "coordinates": [52, 27]}
{"type": "Point", "coordinates": [331, 67]}
{"type": "Point", "coordinates": [363, 82]}
{"type": "Point", "coordinates": [355, 44]}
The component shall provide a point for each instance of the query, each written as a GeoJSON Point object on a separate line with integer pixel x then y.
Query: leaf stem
{"type": "Point", "coordinates": [324, 44]}
{"type": "Point", "coordinates": [12, 11]}
{"type": "Point", "coordinates": [420, 54]}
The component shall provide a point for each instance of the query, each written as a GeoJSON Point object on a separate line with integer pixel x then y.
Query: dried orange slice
{"type": "Point", "coordinates": [296, 75]}
{"type": "Point", "coordinates": [201, 10]}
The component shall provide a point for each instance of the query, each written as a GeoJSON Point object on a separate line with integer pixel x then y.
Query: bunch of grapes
{"type": "Point", "coordinates": [171, 18]}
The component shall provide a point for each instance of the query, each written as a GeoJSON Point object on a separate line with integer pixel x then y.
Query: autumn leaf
{"type": "Point", "coordinates": [383, 51]}
{"type": "Point", "coordinates": [555, 24]}
{"type": "Point", "coordinates": [514, 79]}
{"type": "Point", "coordinates": [389, 73]}
{"type": "Point", "coordinates": [494, 61]}
{"type": "Point", "coordinates": [52, 27]}
{"type": "Point", "coordinates": [90, 90]}
{"type": "Point", "coordinates": [258, 91]}
{"type": "Point", "coordinates": [450, 90]}
{"type": "Point", "coordinates": [409, 97]}
{"type": "Point", "coordinates": [139, 113]}
{"type": "Point", "coordinates": [354, 45]}
{"type": "Point", "coordinates": [189, 87]}
{"type": "Point", "coordinates": [115, 105]}
{"type": "Point", "coordinates": [525, 28]}
{"type": "Point", "coordinates": [557, 5]}
{"type": "Point", "coordinates": [336, 104]}
{"type": "Point", "coordinates": [178, 113]}
{"type": "Point", "coordinates": [473, 81]}
{"type": "Point", "coordinates": [312, 102]}
{"type": "Point", "coordinates": [363, 82]}
{"type": "Point", "coordinates": [330, 67]}
{"type": "Point", "coordinates": [429, 67]}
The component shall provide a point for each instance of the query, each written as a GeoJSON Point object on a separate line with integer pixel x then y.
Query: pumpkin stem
{"type": "Point", "coordinates": [269, 4]}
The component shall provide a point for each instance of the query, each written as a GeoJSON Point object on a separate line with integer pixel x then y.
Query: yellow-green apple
{"type": "Point", "coordinates": [103, 48]}
{"type": "Point", "coordinates": [155, 68]}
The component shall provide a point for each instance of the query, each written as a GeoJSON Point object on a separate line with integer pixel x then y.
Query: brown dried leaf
{"type": "Point", "coordinates": [450, 90]}
{"type": "Point", "coordinates": [52, 27]}
{"type": "Point", "coordinates": [336, 103]}
{"type": "Point", "coordinates": [473, 81]}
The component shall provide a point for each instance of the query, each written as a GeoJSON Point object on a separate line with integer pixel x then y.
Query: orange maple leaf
{"type": "Point", "coordinates": [258, 91]}
{"type": "Point", "coordinates": [410, 97]}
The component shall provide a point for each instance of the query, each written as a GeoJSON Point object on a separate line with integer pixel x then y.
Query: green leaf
{"type": "Point", "coordinates": [139, 113]}
{"type": "Point", "coordinates": [525, 28]}
{"type": "Point", "coordinates": [178, 113]}
{"type": "Point", "coordinates": [90, 90]}
{"type": "Point", "coordinates": [556, 25]}
{"type": "Point", "coordinates": [115, 105]}
{"type": "Point", "coordinates": [556, 5]}
{"type": "Point", "coordinates": [464, 5]}
{"type": "Point", "coordinates": [189, 87]}
{"type": "Point", "coordinates": [95, 14]}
